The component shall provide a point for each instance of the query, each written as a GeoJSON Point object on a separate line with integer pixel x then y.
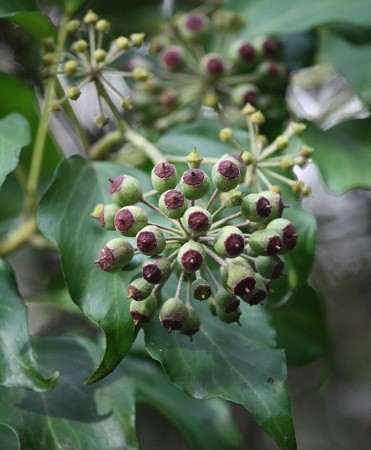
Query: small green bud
{"type": "Point", "coordinates": [47, 59]}
{"type": "Point", "coordinates": [297, 186]}
{"type": "Point", "coordinates": [194, 184]}
{"type": "Point", "coordinates": [173, 314]}
{"type": "Point", "coordinates": [173, 204]}
{"type": "Point", "coordinates": [90, 17]}
{"type": "Point", "coordinates": [125, 190]}
{"type": "Point", "coordinates": [73, 25]}
{"type": "Point", "coordinates": [123, 43]}
{"type": "Point", "coordinates": [211, 99]}
{"type": "Point", "coordinates": [115, 255]}
{"type": "Point", "coordinates": [79, 46]}
{"type": "Point", "coordinates": [194, 159]}
{"type": "Point", "coordinates": [143, 311]}
{"type": "Point", "coordinates": [139, 289]}
{"type": "Point", "coordinates": [101, 121]}
{"type": "Point", "coordinates": [270, 267]}
{"type": "Point", "coordinates": [70, 67]}
{"type": "Point", "coordinates": [306, 151]}
{"type": "Point", "coordinates": [191, 256]}
{"type": "Point", "coordinates": [233, 198]}
{"type": "Point", "coordinates": [287, 231]}
{"type": "Point", "coordinates": [201, 289]}
{"type": "Point", "coordinates": [258, 294]}
{"type": "Point", "coordinates": [103, 25]}
{"type": "Point", "coordinates": [191, 326]}
{"type": "Point", "coordinates": [99, 55]}
{"type": "Point", "coordinates": [129, 220]}
{"type": "Point", "coordinates": [151, 240]}
{"type": "Point", "coordinates": [137, 39]}
{"type": "Point", "coordinates": [226, 175]}
{"type": "Point", "coordinates": [226, 301]}
{"type": "Point", "coordinates": [48, 43]}
{"type": "Point", "coordinates": [282, 142]}
{"type": "Point", "coordinates": [248, 110]}
{"type": "Point", "coordinates": [266, 242]}
{"type": "Point", "coordinates": [197, 220]}
{"type": "Point", "coordinates": [238, 277]}
{"type": "Point", "coordinates": [298, 128]}
{"type": "Point", "coordinates": [156, 270]}
{"type": "Point", "coordinates": [73, 93]}
{"type": "Point", "coordinates": [306, 191]}
{"type": "Point", "coordinates": [140, 74]}
{"type": "Point", "coordinates": [287, 163]}
{"type": "Point", "coordinates": [164, 176]}
{"type": "Point", "coordinates": [55, 106]}
{"type": "Point", "coordinates": [229, 242]}
{"type": "Point", "coordinates": [257, 118]}
{"type": "Point", "coordinates": [127, 103]}
{"type": "Point", "coordinates": [233, 316]}
{"type": "Point", "coordinates": [225, 134]}
{"type": "Point", "coordinates": [107, 215]}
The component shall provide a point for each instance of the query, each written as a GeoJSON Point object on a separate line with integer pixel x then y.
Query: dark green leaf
{"type": "Point", "coordinates": [64, 216]}
{"type": "Point", "coordinates": [14, 135]}
{"type": "Point", "coordinates": [8, 438]}
{"type": "Point", "coordinates": [239, 364]}
{"type": "Point", "coordinates": [18, 367]}
{"type": "Point", "coordinates": [205, 424]}
{"type": "Point", "coordinates": [351, 61]}
{"type": "Point", "coordinates": [343, 154]}
{"type": "Point", "coordinates": [9, 8]}
{"type": "Point", "coordinates": [301, 327]}
{"type": "Point", "coordinates": [283, 17]}
{"type": "Point", "coordinates": [71, 415]}
{"type": "Point", "coordinates": [35, 24]}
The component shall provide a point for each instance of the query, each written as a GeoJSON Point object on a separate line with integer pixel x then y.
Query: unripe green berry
{"type": "Point", "coordinates": [173, 204]}
{"type": "Point", "coordinates": [115, 255]}
{"type": "Point", "coordinates": [125, 190]}
{"type": "Point", "coordinates": [237, 159]}
{"type": "Point", "coordinates": [238, 277]}
{"type": "Point", "coordinates": [226, 175]}
{"type": "Point", "coordinates": [156, 270]}
{"type": "Point", "coordinates": [129, 220]}
{"type": "Point", "coordinates": [258, 294]}
{"type": "Point", "coordinates": [79, 46]}
{"type": "Point", "coordinates": [270, 267]}
{"type": "Point", "coordinates": [193, 27]}
{"type": "Point", "coordinates": [194, 184]}
{"type": "Point", "coordinates": [143, 311]}
{"type": "Point", "coordinates": [164, 176]}
{"type": "Point", "coordinates": [212, 65]}
{"type": "Point", "coordinates": [106, 216]}
{"type": "Point", "coordinates": [242, 54]}
{"type": "Point", "coordinates": [272, 74]}
{"type": "Point", "coordinates": [197, 220]}
{"type": "Point", "coordinates": [287, 232]}
{"type": "Point", "coordinates": [191, 256]}
{"type": "Point", "coordinates": [266, 242]}
{"type": "Point", "coordinates": [173, 314]}
{"type": "Point", "coordinates": [173, 57]}
{"type": "Point", "coordinates": [99, 55]}
{"type": "Point", "coordinates": [226, 301]}
{"type": "Point", "coordinates": [151, 240]}
{"type": "Point", "coordinates": [229, 242]}
{"type": "Point", "coordinates": [139, 289]}
{"type": "Point", "coordinates": [201, 289]}
{"type": "Point", "coordinates": [191, 326]}
{"type": "Point", "coordinates": [262, 206]}
{"type": "Point", "coordinates": [73, 93]}
{"type": "Point", "coordinates": [233, 316]}
{"type": "Point", "coordinates": [245, 94]}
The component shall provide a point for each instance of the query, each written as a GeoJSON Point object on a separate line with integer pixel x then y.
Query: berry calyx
{"type": "Point", "coordinates": [164, 176]}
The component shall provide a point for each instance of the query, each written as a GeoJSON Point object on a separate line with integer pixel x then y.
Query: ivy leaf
{"type": "Point", "coordinates": [240, 364]}
{"type": "Point", "coordinates": [8, 8]}
{"type": "Point", "coordinates": [35, 23]}
{"type": "Point", "coordinates": [301, 327]}
{"type": "Point", "coordinates": [14, 135]}
{"type": "Point", "coordinates": [349, 145]}
{"type": "Point", "coordinates": [18, 367]}
{"type": "Point", "coordinates": [64, 216]}
{"type": "Point", "coordinates": [282, 17]}
{"type": "Point", "coordinates": [71, 415]}
{"type": "Point", "coordinates": [207, 424]}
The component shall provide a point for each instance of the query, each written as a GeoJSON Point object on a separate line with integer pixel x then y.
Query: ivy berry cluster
{"type": "Point", "coordinates": [198, 236]}
{"type": "Point", "coordinates": [200, 61]}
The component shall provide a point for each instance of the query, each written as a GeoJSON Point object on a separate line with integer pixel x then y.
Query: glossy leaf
{"type": "Point", "coordinates": [343, 154]}
{"type": "Point", "coordinates": [351, 61]}
{"type": "Point", "coordinates": [18, 367]}
{"type": "Point", "coordinates": [64, 216]}
{"type": "Point", "coordinates": [240, 364]}
{"type": "Point", "coordinates": [301, 327]}
{"type": "Point", "coordinates": [204, 424]}
{"type": "Point", "coordinates": [71, 415]}
{"type": "Point", "coordinates": [283, 17]}
{"type": "Point", "coordinates": [14, 135]}
{"type": "Point", "coordinates": [9, 8]}
{"type": "Point", "coordinates": [35, 23]}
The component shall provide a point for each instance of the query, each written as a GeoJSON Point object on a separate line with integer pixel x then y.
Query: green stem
{"type": "Point", "coordinates": [102, 147]}
{"type": "Point", "coordinates": [19, 237]}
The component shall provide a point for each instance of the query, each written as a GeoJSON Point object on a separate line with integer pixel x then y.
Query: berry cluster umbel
{"type": "Point", "coordinates": [246, 243]}
{"type": "Point", "coordinates": [201, 61]}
